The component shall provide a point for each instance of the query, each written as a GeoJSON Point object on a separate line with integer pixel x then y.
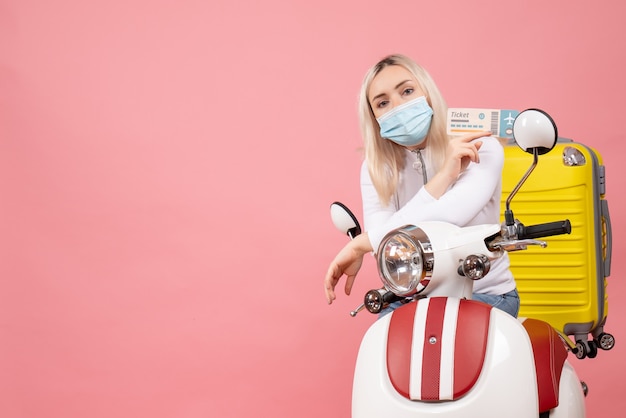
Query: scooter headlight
{"type": "Point", "coordinates": [405, 260]}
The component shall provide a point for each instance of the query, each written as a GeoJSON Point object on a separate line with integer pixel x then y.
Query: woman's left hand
{"type": "Point", "coordinates": [461, 151]}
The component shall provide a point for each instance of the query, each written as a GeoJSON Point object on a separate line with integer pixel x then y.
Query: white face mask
{"type": "Point", "coordinates": [407, 124]}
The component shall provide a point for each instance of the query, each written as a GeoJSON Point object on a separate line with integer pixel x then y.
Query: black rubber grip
{"type": "Point", "coordinates": [544, 230]}
{"type": "Point", "coordinates": [391, 297]}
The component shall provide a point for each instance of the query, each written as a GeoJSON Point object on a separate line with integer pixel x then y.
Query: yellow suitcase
{"type": "Point", "coordinates": [565, 283]}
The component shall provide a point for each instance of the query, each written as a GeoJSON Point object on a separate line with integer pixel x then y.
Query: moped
{"type": "Point", "coordinates": [441, 353]}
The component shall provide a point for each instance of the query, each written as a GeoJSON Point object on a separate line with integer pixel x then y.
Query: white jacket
{"type": "Point", "coordinates": [473, 199]}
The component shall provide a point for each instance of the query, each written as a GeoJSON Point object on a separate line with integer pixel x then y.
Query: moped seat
{"type": "Point", "coordinates": [550, 355]}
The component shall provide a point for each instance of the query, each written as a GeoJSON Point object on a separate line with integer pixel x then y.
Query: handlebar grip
{"type": "Point", "coordinates": [391, 297]}
{"type": "Point", "coordinates": [545, 230]}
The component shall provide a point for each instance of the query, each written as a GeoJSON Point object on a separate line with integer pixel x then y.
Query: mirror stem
{"type": "Point", "coordinates": [508, 215]}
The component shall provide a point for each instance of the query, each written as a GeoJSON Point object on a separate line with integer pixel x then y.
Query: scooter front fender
{"type": "Point", "coordinates": [506, 385]}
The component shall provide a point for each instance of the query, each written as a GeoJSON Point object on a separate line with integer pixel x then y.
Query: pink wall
{"type": "Point", "coordinates": [165, 174]}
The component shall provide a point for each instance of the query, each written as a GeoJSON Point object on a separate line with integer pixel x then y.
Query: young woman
{"type": "Point", "coordinates": [413, 171]}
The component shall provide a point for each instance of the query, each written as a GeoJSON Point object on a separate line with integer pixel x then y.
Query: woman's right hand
{"type": "Point", "coordinates": [347, 262]}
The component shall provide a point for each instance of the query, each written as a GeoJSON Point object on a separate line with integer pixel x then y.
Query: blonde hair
{"type": "Point", "coordinates": [385, 159]}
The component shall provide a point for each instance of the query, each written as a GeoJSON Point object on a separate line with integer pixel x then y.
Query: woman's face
{"type": "Point", "coordinates": [391, 87]}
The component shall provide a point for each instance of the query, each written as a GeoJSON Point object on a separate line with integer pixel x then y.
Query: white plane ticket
{"type": "Point", "coordinates": [463, 121]}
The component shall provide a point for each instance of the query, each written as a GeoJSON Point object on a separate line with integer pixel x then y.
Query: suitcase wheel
{"type": "Point", "coordinates": [580, 350]}
{"type": "Point", "coordinates": [605, 341]}
{"type": "Point", "coordinates": [586, 349]}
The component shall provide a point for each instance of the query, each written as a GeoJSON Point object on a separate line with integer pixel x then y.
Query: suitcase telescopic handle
{"type": "Point", "coordinates": [544, 230]}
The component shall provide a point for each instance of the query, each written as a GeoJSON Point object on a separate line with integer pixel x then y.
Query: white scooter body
{"type": "Point", "coordinates": [505, 385]}
{"type": "Point", "coordinates": [443, 354]}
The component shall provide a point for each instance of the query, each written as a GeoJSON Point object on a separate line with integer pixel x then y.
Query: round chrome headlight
{"type": "Point", "coordinates": [405, 260]}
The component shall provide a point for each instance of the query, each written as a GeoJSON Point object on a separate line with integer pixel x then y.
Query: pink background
{"type": "Point", "coordinates": [166, 169]}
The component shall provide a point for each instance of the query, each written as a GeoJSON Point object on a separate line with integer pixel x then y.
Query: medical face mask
{"type": "Point", "coordinates": [407, 124]}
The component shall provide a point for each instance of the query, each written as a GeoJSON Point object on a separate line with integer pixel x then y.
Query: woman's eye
{"type": "Point", "coordinates": [382, 104]}
{"type": "Point", "coordinates": [408, 91]}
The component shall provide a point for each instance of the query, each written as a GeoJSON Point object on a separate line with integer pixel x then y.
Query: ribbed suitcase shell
{"type": "Point", "coordinates": [565, 283]}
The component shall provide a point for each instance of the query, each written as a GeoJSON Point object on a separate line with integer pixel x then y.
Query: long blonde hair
{"type": "Point", "coordinates": [385, 159]}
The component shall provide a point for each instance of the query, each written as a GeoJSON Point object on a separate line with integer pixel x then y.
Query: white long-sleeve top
{"type": "Point", "coordinates": [474, 199]}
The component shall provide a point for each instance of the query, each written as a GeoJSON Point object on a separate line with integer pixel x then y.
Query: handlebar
{"type": "Point", "coordinates": [544, 230]}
